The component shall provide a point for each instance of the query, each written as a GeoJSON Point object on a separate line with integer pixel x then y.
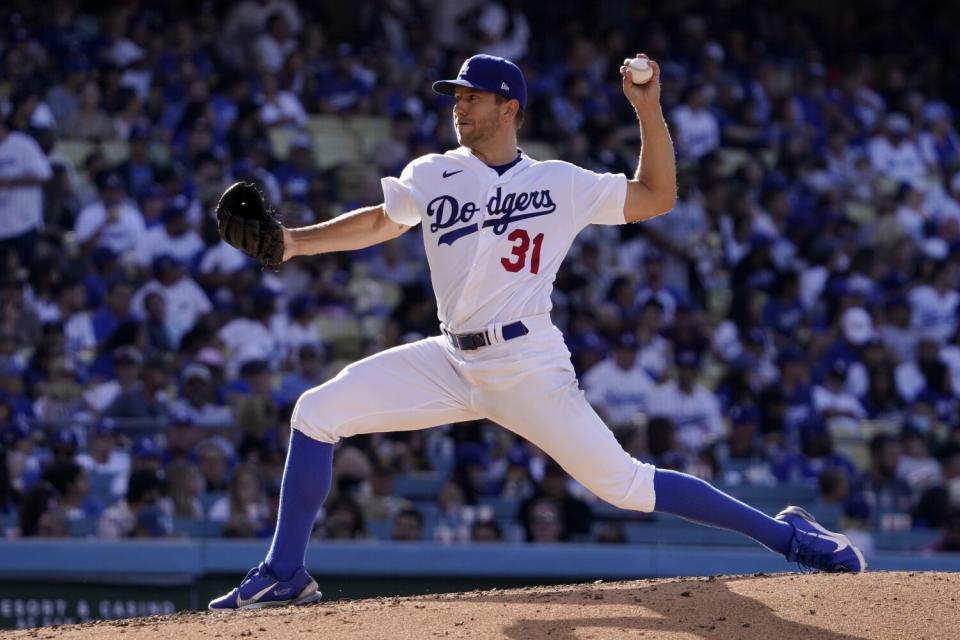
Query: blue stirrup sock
{"type": "Point", "coordinates": [306, 482]}
{"type": "Point", "coordinates": [693, 499]}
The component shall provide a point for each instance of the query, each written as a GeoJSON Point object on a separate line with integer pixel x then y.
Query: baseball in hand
{"type": "Point", "coordinates": [640, 70]}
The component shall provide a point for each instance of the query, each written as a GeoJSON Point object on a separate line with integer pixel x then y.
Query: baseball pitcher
{"type": "Point", "coordinates": [496, 226]}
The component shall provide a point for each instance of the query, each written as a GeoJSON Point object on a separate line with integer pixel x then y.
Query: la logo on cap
{"type": "Point", "coordinates": [504, 86]}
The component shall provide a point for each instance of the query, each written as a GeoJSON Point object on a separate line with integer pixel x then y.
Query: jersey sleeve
{"type": "Point", "coordinates": [598, 197]}
{"type": "Point", "coordinates": [400, 198]}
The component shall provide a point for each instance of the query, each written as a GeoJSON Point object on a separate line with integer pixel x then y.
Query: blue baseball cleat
{"type": "Point", "coordinates": [261, 589]}
{"type": "Point", "coordinates": [814, 547]}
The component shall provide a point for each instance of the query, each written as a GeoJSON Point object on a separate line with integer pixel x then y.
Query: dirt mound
{"type": "Point", "coordinates": [836, 607]}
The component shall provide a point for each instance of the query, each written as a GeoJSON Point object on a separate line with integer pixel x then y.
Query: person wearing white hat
{"type": "Point", "coordinates": [895, 154]}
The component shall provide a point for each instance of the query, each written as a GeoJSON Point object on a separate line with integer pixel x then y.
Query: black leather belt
{"type": "Point", "coordinates": [472, 341]}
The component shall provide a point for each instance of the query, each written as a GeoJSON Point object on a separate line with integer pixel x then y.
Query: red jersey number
{"type": "Point", "coordinates": [517, 259]}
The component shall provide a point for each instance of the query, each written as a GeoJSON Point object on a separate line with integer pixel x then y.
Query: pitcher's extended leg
{"type": "Point", "coordinates": [550, 410]}
{"type": "Point", "coordinates": [691, 498]}
{"type": "Point", "coordinates": [414, 386]}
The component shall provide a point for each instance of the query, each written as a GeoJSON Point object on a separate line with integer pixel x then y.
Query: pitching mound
{"type": "Point", "coordinates": [871, 606]}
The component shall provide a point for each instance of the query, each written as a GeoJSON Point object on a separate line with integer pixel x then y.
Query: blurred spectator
{"type": "Point", "coordinates": [145, 454]}
{"type": "Point", "coordinates": [213, 460]}
{"type": "Point", "coordinates": [280, 108]}
{"type": "Point", "coordinates": [407, 526]}
{"type": "Point", "coordinates": [141, 391]}
{"type": "Point", "coordinates": [933, 307]}
{"type": "Point", "coordinates": [248, 337]}
{"type": "Point", "coordinates": [63, 445]}
{"type": "Point", "coordinates": [183, 300]}
{"type": "Point", "coordinates": [186, 486]}
{"type": "Point", "coordinates": [894, 154]}
{"type": "Point", "coordinates": [662, 446]}
{"type": "Point", "coordinates": [127, 362]}
{"type": "Point", "coordinates": [110, 221]}
{"type": "Point", "coordinates": [618, 388]}
{"type": "Point", "coordinates": [925, 373]}
{"type": "Point", "coordinates": [840, 409]}
{"type": "Point", "coordinates": [455, 517]}
{"type": "Point", "coordinates": [62, 396]}
{"type": "Point", "coordinates": [344, 520]}
{"type": "Point", "coordinates": [40, 513]}
{"type": "Point", "coordinates": [897, 335]}
{"type": "Point", "coordinates": [88, 121]}
{"type": "Point", "coordinates": [951, 534]}
{"type": "Point", "coordinates": [20, 323]}
{"type": "Point", "coordinates": [917, 466]}
{"type": "Point", "coordinates": [741, 454]}
{"type": "Point", "coordinates": [275, 43]}
{"type": "Point", "coordinates": [107, 464]}
{"type": "Point", "coordinates": [173, 237]}
{"type": "Point", "coordinates": [23, 171]}
{"type": "Point", "coordinates": [834, 485]}
{"type": "Point", "coordinates": [307, 374]}
{"type": "Point", "coordinates": [940, 143]}
{"type": "Point", "coordinates": [816, 455]}
{"type": "Point", "coordinates": [114, 311]}
{"type": "Point", "coordinates": [574, 514]}
{"type": "Point", "coordinates": [181, 437]}
{"type": "Point", "coordinates": [144, 510]}
{"type": "Point", "coordinates": [932, 509]}
{"type": "Point", "coordinates": [888, 496]}
{"type": "Point", "coordinates": [542, 522]}
{"type": "Point", "coordinates": [244, 509]}
{"type": "Point", "coordinates": [380, 504]}
{"type": "Point", "coordinates": [138, 172]}
{"type": "Point", "coordinates": [485, 531]}
{"type": "Point", "coordinates": [696, 129]}
{"type": "Point", "coordinates": [72, 483]}
{"type": "Point", "coordinates": [692, 407]}
{"type": "Point", "coordinates": [654, 286]}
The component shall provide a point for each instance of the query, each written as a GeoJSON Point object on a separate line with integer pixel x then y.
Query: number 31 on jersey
{"type": "Point", "coordinates": [517, 259]}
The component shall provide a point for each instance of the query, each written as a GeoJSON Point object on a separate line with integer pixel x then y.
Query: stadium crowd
{"type": "Point", "coordinates": [793, 321]}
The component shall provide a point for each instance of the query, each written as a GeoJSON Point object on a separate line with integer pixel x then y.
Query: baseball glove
{"type": "Point", "coordinates": [248, 223]}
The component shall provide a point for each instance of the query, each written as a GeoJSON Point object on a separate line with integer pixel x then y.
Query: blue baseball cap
{"type": "Point", "coordinates": [488, 73]}
{"type": "Point", "coordinates": [145, 447]}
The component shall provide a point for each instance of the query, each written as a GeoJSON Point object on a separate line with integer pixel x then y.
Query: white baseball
{"type": "Point", "coordinates": [640, 70]}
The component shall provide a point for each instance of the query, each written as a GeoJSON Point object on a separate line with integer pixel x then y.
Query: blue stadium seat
{"type": "Point", "coordinates": [419, 486]}
{"type": "Point", "coordinates": [207, 499]}
{"type": "Point", "coordinates": [913, 540]}
{"type": "Point", "coordinates": [508, 508]}
{"type": "Point", "coordinates": [83, 528]}
{"type": "Point", "coordinates": [380, 529]}
{"type": "Point", "coordinates": [100, 487]}
{"type": "Point", "coordinates": [197, 528]}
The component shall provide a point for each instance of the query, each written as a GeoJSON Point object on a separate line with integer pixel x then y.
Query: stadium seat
{"type": "Point", "coordinates": [503, 507]}
{"type": "Point", "coordinates": [207, 499]}
{"type": "Point", "coordinates": [197, 528]}
{"type": "Point", "coordinates": [83, 527]}
{"type": "Point", "coordinates": [419, 486]}
{"type": "Point", "coordinates": [380, 529]}
{"type": "Point", "coordinates": [100, 484]}
{"type": "Point", "coordinates": [913, 540]}
{"type": "Point", "coordinates": [368, 130]}
{"type": "Point", "coordinates": [333, 141]}
{"type": "Point", "coordinates": [539, 150]}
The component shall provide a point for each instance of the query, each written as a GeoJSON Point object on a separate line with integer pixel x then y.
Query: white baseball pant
{"type": "Point", "coordinates": [527, 385]}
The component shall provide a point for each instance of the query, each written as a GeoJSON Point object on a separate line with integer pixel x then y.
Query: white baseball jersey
{"type": "Point", "coordinates": [21, 208]}
{"type": "Point", "coordinates": [494, 244]}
